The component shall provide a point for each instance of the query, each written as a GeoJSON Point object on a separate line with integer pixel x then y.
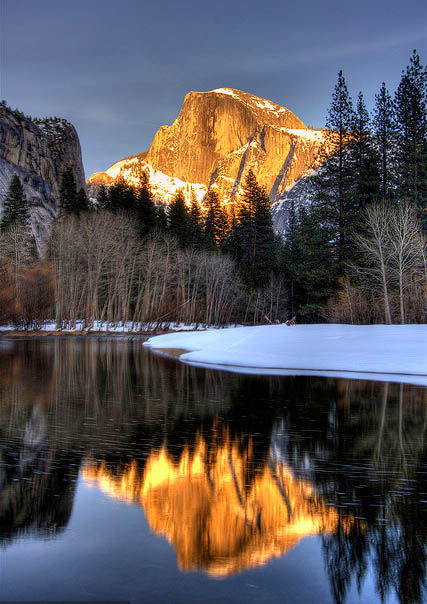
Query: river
{"type": "Point", "coordinates": [126, 476]}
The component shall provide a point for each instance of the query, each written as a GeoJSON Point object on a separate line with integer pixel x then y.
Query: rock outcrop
{"type": "Point", "coordinates": [39, 151]}
{"type": "Point", "coordinates": [217, 138]}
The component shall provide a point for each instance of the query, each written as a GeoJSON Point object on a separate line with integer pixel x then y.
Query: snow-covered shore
{"type": "Point", "coordinates": [376, 352]}
{"type": "Point", "coordinates": [103, 327]}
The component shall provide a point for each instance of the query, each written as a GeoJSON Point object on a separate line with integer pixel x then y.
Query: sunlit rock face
{"type": "Point", "coordinates": [217, 138]}
{"type": "Point", "coordinates": [96, 181]}
{"type": "Point", "coordinates": [38, 151]}
{"type": "Point", "coordinates": [217, 519]}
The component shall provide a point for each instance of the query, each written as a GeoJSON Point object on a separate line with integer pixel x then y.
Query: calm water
{"type": "Point", "coordinates": [127, 476]}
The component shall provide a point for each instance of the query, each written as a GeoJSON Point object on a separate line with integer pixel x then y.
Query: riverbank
{"type": "Point", "coordinates": [49, 328]}
{"type": "Point", "coordinates": [75, 334]}
{"type": "Point", "coordinates": [376, 352]}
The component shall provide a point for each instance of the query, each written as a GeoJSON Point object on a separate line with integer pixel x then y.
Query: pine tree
{"type": "Point", "coordinates": [309, 263]}
{"type": "Point", "coordinates": [252, 241]}
{"type": "Point", "coordinates": [178, 220]}
{"type": "Point", "coordinates": [291, 259]}
{"type": "Point", "coordinates": [68, 193]}
{"type": "Point", "coordinates": [334, 182]}
{"type": "Point", "coordinates": [385, 137]}
{"type": "Point", "coordinates": [365, 160]}
{"type": "Point", "coordinates": [215, 222]}
{"type": "Point", "coordinates": [195, 218]}
{"type": "Point", "coordinates": [161, 218]}
{"type": "Point", "coordinates": [102, 198]}
{"type": "Point", "coordinates": [15, 205]}
{"type": "Point", "coordinates": [82, 202]}
{"type": "Point", "coordinates": [411, 126]}
{"type": "Point", "coordinates": [121, 197]}
{"type": "Point", "coordinates": [146, 209]}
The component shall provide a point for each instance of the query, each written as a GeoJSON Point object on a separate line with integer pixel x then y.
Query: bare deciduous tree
{"type": "Point", "coordinates": [406, 245]}
{"type": "Point", "coordinates": [103, 271]}
{"type": "Point", "coordinates": [391, 267]}
{"type": "Point", "coordinates": [375, 252]}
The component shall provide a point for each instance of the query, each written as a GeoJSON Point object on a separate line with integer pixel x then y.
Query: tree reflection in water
{"type": "Point", "coordinates": [233, 469]}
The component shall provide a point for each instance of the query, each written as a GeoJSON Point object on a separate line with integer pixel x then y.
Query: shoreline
{"type": "Point", "coordinates": [387, 353]}
{"type": "Point", "coordinates": [14, 333]}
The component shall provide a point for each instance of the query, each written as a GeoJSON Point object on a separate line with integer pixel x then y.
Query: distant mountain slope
{"type": "Point", "coordinates": [39, 151]}
{"type": "Point", "coordinates": [217, 138]}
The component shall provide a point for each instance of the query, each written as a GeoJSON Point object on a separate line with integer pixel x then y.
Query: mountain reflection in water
{"type": "Point", "coordinates": [215, 520]}
{"type": "Point", "coordinates": [234, 470]}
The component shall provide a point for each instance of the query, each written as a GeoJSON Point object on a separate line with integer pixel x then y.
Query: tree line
{"type": "Point", "coordinates": [125, 258]}
{"type": "Point", "coordinates": [354, 250]}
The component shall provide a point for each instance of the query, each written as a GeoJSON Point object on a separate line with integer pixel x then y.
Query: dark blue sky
{"type": "Point", "coordinates": [119, 70]}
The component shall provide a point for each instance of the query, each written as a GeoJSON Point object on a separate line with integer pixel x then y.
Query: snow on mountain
{"type": "Point", "coordinates": [162, 186]}
{"type": "Point", "coordinates": [216, 139]}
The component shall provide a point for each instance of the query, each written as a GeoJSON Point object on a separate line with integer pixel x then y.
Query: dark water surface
{"type": "Point", "coordinates": [128, 476]}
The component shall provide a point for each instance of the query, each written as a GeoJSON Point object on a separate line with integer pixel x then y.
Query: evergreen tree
{"type": "Point", "coordinates": [334, 182]}
{"type": "Point", "coordinates": [385, 140]}
{"type": "Point", "coordinates": [82, 202]}
{"type": "Point", "coordinates": [178, 220]}
{"type": "Point", "coordinates": [411, 126]}
{"type": "Point", "coordinates": [195, 219]}
{"type": "Point", "coordinates": [291, 260]}
{"type": "Point", "coordinates": [215, 223]}
{"type": "Point", "coordinates": [252, 241]}
{"type": "Point", "coordinates": [309, 263]}
{"type": "Point", "coordinates": [365, 160]}
{"type": "Point", "coordinates": [266, 254]}
{"type": "Point", "coordinates": [68, 193]}
{"type": "Point", "coordinates": [121, 197]}
{"type": "Point", "coordinates": [146, 209]}
{"type": "Point", "coordinates": [161, 218]}
{"type": "Point", "coordinates": [15, 205]}
{"type": "Point", "coordinates": [102, 198]}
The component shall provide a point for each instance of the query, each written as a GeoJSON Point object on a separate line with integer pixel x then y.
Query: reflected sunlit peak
{"type": "Point", "coordinates": [206, 510]}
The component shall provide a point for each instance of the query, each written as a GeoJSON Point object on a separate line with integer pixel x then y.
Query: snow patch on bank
{"type": "Point", "coordinates": [104, 327]}
{"type": "Point", "coordinates": [375, 352]}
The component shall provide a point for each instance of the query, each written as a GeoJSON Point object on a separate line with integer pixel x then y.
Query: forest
{"type": "Point", "coordinates": [354, 251]}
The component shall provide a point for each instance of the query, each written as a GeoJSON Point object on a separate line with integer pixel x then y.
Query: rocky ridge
{"type": "Point", "coordinates": [217, 138]}
{"type": "Point", "coordinates": [38, 151]}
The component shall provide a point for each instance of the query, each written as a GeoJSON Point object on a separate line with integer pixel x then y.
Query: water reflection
{"type": "Point", "coordinates": [233, 470]}
{"type": "Point", "coordinates": [215, 520]}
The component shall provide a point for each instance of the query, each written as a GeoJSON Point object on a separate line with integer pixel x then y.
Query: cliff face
{"type": "Point", "coordinates": [217, 138]}
{"type": "Point", "coordinates": [39, 151]}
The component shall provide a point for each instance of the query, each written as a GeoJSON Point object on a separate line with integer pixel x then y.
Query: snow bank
{"type": "Point", "coordinates": [377, 352]}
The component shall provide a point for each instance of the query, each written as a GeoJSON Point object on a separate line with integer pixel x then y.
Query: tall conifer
{"type": "Point", "coordinates": [15, 205]}
{"type": "Point", "coordinates": [385, 139]}
{"type": "Point", "coordinates": [252, 240]}
{"type": "Point", "coordinates": [195, 218]}
{"type": "Point", "coordinates": [102, 198]}
{"type": "Point", "coordinates": [145, 207]}
{"type": "Point", "coordinates": [411, 125]}
{"type": "Point", "coordinates": [178, 220]}
{"type": "Point", "coordinates": [215, 222]}
{"type": "Point", "coordinates": [365, 159]}
{"type": "Point", "coordinates": [161, 218]}
{"type": "Point", "coordinates": [121, 197]}
{"type": "Point", "coordinates": [68, 193]}
{"type": "Point", "coordinates": [309, 264]}
{"type": "Point", "coordinates": [82, 202]}
{"type": "Point", "coordinates": [334, 182]}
